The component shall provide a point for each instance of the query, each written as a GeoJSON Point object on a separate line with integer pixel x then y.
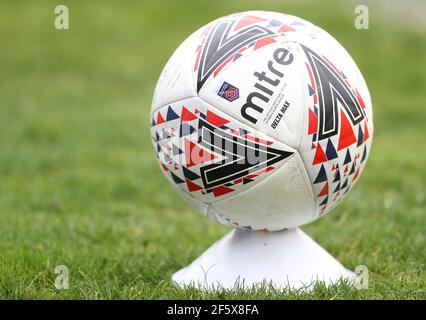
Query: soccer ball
{"type": "Point", "coordinates": [261, 120]}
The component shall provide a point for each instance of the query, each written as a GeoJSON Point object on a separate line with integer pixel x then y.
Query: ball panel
{"type": "Point", "coordinates": [322, 42]}
{"type": "Point", "coordinates": [247, 68]}
{"type": "Point", "coordinates": [176, 81]}
{"type": "Point", "coordinates": [338, 125]}
{"type": "Point", "coordinates": [210, 155]}
{"type": "Point", "coordinates": [282, 200]}
{"type": "Point", "coordinates": [224, 41]}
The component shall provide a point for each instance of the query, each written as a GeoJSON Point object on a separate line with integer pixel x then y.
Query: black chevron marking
{"type": "Point", "coordinates": [242, 157]}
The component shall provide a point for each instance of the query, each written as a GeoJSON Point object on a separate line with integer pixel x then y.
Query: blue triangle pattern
{"type": "Point", "coordinates": [330, 151]}
{"type": "Point", "coordinates": [324, 202]}
{"type": "Point", "coordinates": [352, 169]}
{"type": "Point", "coordinates": [274, 23]}
{"type": "Point", "coordinates": [345, 184]}
{"type": "Point", "coordinates": [337, 188]}
{"type": "Point", "coordinates": [364, 154]}
{"type": "Point", "coordinates": [337, 177]}
{"type": "Point", "coordinates": [237, 56]}
{"type": "Point", "coordinates": [348, 157]}
{"type": "Point", "coordinates": [360, 137]}
{"type": "Point", "coordinates": [171, 115]}
{"type": "Point", "coordinates": [322, 175]}
{"type": "Point", "coordinates": [189, 174]}
{"type": "Point", "coordinates": [175, 178]}
{"type": "Point", "coordinates": [297, 23]}
{"type": "Point", "coordinates": [246, 180]}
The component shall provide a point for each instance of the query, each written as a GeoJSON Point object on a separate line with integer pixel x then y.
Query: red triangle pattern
{"type": "Point", "coordinates": [192, 186]}
{"type": "Point", "coordinates": [187, 115]}
{"type": "Point", "coordinates": [221, 190]}
{"type": "Point", "coordinates": [263, 42]}
{"type": "Point", "coordinates": [215, 119]}
{"type": "Point", "coordinates": [195, 155]}
{"type": "Point", "coordinates": [160, 118]}
{"type": "Point", "coordinates": [286, 28]}
{"type": "Point", "coordinates": [324, 190]}
{"type": "Point", "coordinates": [313, 122]}
{"type": "Point", "coordinates": [347, 136]}
{"type": "Point", "coordinates": [366, 133]}
{"type": "Point", "coordinates": [320, 156]}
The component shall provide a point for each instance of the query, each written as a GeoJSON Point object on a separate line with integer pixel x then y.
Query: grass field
{"type": "Point", "coordinates": [79, 184]}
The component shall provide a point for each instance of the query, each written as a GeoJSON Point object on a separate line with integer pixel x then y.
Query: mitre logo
{"type": "Point", "coordinates": [266, 81]}
{"type": "Point", "coordinates": [228, 92]}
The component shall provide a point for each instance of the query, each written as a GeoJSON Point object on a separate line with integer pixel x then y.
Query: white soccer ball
{"type": "Point", "coordinates": [262, 120]}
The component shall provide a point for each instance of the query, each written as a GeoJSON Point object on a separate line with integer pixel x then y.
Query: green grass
{"type": "Point", "coordinates": [79, 184]}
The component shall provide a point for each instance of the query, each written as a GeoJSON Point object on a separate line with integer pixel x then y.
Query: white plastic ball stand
{"type": "Point", "coordinates": [243, 259]}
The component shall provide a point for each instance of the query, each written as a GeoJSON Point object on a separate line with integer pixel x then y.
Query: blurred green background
{"type": "Point", "coordinates": [80, 186]}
